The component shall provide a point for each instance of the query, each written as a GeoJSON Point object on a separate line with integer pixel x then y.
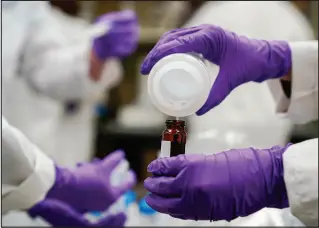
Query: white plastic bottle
{"type": "Point", "coordinates": [118, 176]}
{"type": "Point", "coordinates": [179, 84]}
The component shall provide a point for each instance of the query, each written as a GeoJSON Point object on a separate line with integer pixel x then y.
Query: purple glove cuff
{"type": "Point", "coordinates": [270, 186]}
{"type": "Point", "coordinates": [278, 62]}
{"type": "Point", "coordinates": [58, 191]}
{"type": "Point", "coordinates": [99, 49]}
{"type": "Point", "coordinates": [277, 194]}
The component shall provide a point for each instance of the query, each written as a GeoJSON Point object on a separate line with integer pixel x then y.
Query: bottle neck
{"type": "Point", "coordinates": [175, 127]}
{"type": "Point", "coordinates": [175, 124]}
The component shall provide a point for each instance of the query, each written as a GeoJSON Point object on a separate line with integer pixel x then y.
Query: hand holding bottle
{"type": "Point", "coordinates": [216, 187]}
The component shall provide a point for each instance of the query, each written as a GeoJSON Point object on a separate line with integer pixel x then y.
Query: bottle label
{"type": "Point", "coordinates": [177, 149]}
{"type": "Point", "coordinates": [171, 149]}
{"type": "Point", "coordinates": [165, 149]}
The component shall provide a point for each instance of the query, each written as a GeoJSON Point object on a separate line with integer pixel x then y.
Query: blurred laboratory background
{"type": "Point", "coordinates": [124, 116]}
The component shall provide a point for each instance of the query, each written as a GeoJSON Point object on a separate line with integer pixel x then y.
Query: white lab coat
{"type": "Point", "coordinates": [246, 118]}
{"type": "Point", "coordinates": [27, 173]}
{"type": "Point", "coordinates": [301, 160]}
{"type": "Point", "coordinates": [44, 66]}
{"type": "Point", "coordinates": [79, 127]}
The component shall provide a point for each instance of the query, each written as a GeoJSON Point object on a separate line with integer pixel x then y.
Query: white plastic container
{"type": "Point", "coordinates": [179, 84]}
{"type": "Point", "coordinates": [118, 176]}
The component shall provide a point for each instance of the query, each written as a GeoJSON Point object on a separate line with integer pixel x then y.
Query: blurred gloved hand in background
{"type": "Point", "coordinates": [88, 186]}
{"type": "Point", "coordinates": [59, 214]}
{"type": "Point", "coordinates": [122, 37]}
{"type": "Point", "coordinates": [240, 59]}
{"type": "Point", "coordinates": [216, 187]}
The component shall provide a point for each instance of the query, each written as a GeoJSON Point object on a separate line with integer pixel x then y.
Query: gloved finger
{"type": "Point", "coordinates": [127, 46]}
{"type": "Point", "coordinates": [128, 23]}
{"type": "Point", "coordinates": [167, 166]}
{"type": "Point", "coordinates": [130, 182]}
{"type": "Point", "coordinates": [220, 90]}
{"type": "Point", "coordinates": [179, 45]}
{"type": "Point", "coordinates": [124, 15]}
{"type": "Point", "coordinates": [174, 34]}
{"type": "Point", "coordinates": [125, 32]}
{"type": "Point", "coordinates": [58, 213]}
{"type": "Point", "coordinates": [178, 216]}
{"type": "Point", "coordinates": [162, 40]}
{"type": "Point", "coordinates": [95, 160]}
{"type": "Point", "coordinates": [162, 204]}
{"type": "Point", "coordinates": [117, 220]}
{"type": "Point", "coordinates": [113, 159]}
{"type": "Point", "coordinates": [163, 186]}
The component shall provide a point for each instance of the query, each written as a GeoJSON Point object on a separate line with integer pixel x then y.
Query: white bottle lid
{"type": "Point", "coordinates": [179, 84]}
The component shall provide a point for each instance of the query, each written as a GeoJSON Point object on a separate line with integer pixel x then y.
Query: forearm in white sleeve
{"type": "Point", "coordinates": [302, 107]}
{"type": "Point", "coordinates": [27, 173]}
{"type": "Point", "coordinates": [301, 178]}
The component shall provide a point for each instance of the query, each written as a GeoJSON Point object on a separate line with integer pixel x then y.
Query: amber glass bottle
{"type": "Point", "coordinates": [173, 138]}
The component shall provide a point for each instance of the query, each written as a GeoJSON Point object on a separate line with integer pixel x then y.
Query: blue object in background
{"type": "Point", "coordinates": [100, 110]}
{"type": "Point", "coordinates": [145, 209]}
{"type": "Point", "coordinates": [96, 213]}
{"type": "Point", "coordinates": [130, 197]}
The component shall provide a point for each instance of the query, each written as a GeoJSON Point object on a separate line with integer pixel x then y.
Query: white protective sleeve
{"type": "Point", "coordinates": [57, 64]}
{"type": "Point", "coordinates": [27, 173]}
{"type": "Point", "coordinates": [301, 178]}
{"type": "Point", "coordinates": [302, 107]}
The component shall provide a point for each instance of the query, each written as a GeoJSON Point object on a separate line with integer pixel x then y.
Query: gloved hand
{"type": "Point", "coordinates": [59, 214]}
{"type": "Point", "coordinates": [240, 59]}
{"type": "Point", "coordinates": [216, 187]}
{"type": "Point", "coordinates": [88, 186]}
{"type": "Point", "coordinates": [122, 37]}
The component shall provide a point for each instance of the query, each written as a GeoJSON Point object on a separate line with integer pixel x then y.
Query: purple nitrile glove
{"type": "Point", "coordinates": [94, 160]}
{"type": "Point", "coordinates": [122, 37]}
{"type": "Point", "coordinates": [240, 59]}
{"type": "Point", "coordinates": [60, 214]}
{"type": "Point", "coordinates": [88, 186]}
{"type": "Point", "coordinates": [222, 186]}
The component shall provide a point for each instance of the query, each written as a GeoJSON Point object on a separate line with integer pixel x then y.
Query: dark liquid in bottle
{"type": "Point", "coordinates": [174, 134]}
